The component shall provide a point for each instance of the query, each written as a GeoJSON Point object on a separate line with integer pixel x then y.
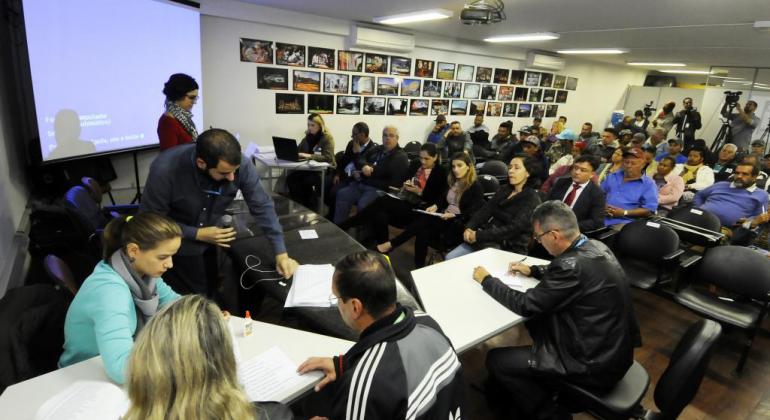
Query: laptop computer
{"type": "Point", "coordinates": [286, 149]}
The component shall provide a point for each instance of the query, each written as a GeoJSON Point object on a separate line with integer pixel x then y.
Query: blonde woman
{"type": "Point", "coordinates": [183, 367]}
{"type": "Point", "coordinates": [318, 145]}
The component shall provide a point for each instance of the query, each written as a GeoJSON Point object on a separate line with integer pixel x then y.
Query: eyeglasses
{"type": "Point", "coordinates": [540, 236]}
{"type": "Point", "coordinates": [333, 300]}
{"type": "Point", "coordinates": [193, 98]}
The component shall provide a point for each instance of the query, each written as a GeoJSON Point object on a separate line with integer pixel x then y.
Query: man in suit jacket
{"type": "Point", "coordinates": [586, 199]}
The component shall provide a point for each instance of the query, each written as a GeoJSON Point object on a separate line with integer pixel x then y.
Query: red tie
{"type": "Point", "coordinates": [571, 196]}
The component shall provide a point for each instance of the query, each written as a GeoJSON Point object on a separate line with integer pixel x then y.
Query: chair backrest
{"type": "Point", "coordinates": [681, 379]}
{"type": "Point", "coordinates": [646, 240]}
{"type": "Point", "coordinates": [78, 200]}
{"type": "Point", "coordinates": [496, 168]}
{"type": "Point", "coordinates": [93, 188]}
{"type": "Point", "coordinates": [737, 269]}
{"type": "Point", "coordinates": [489, 184]}
{"type": "Point", "coordinates": [60, 273]}
{"type": "Point", "coordinates": [697, 217]}
{"type": "Point", "coordinates": [412, 149]}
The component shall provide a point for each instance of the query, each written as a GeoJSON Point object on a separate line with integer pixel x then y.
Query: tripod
{"type": "Point", "coordinates": [725, 134]}
{"type": "Point", "coordinates": [765, 137]}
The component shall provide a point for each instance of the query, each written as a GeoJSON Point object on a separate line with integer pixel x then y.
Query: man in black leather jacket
{"type": "Point", "coordinates": [580, 317]}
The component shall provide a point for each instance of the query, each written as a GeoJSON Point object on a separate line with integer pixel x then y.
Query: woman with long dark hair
{"type": "Point", "coordinates": [176, 126]}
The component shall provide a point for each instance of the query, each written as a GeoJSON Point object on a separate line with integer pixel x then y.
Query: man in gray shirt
{"type": "Point", "coordinates": [743, 123]}
{"type": "Point", "coordinates": [455, 140]}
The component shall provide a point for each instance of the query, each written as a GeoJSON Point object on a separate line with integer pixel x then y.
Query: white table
{"type": "Point", "coordinates": [21, 401]}
{"type": "Point", "coordinates": [272, 162]}
{"type": "Point", "coordinates": [466, 313]}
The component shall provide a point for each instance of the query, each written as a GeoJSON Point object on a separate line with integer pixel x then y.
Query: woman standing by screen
{"type": "Point", "coordinates": [176, 126]}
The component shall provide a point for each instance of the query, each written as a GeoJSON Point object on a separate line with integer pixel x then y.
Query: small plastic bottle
{"type": "Point", "coordinates": [248, 325]}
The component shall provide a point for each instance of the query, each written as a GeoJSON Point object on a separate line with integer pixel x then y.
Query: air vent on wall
{"type": "Point", "coordinates": [544, 62]}
{"type": "Point", "coordinates": [378, 39]}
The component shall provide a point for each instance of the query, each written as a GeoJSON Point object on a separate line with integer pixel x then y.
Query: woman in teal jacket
{"type": "Point", "coordinates": [123, 292]}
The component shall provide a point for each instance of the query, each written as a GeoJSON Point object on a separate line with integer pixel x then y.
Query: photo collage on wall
{"type": "Point", "coordinates": [329, 81]}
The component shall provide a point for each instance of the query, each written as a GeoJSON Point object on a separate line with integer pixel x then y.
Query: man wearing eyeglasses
{"type": "Point", "coordinates": [580, 318]}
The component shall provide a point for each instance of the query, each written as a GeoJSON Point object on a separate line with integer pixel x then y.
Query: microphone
{"type": "Point", "coordinates": [226, 221]}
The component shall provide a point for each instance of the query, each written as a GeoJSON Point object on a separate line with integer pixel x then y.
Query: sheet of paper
{"type": "Point", "coordinates": [265, 375]}
{"type": "Point", "coordinates": [308, 234]}
{"type": "Point", "coordinates": [428, 213]}
{"type": "Point", "coordinates": [393, 196]}
{"type": "Point", "coordinates": [511, 280]}
{"type": "Point", "coordinates": [311, 286]}
{"type": "Point", "coordinates": [84, 400]}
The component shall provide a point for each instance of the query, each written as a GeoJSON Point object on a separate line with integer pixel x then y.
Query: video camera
{"type": "Point", "coordinates": [648, 109]}
{"type": "Point", "coordinates": [731, 98]}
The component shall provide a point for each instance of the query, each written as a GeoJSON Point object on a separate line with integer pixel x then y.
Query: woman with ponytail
{"type": "Point", "coordinates": [123, 292]}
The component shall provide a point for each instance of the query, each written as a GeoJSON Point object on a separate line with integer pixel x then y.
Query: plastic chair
{"type": "Point", "coordinates": [412, 149]}
{"type": "Point", "coordinates": [696, 217]}
{"type": "Point", "coordinates": [648, 252]}
{"type": "Point", "coordinates": [496, 168]}
{"type": "Point", "coordinates": [745, 276]}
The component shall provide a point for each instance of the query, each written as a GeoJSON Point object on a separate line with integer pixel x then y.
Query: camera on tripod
{"type": "Point", "coordinates": [731, 98]}
{"type": "Point", "coordinates": [648, 109]}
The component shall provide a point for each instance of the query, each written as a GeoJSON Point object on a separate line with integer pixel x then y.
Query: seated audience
{"type": "Point", "coordinates": [630, 193]}
{"type": "Point", "coordinates": [766, 163]}
{"type": "Point", "coordinates": [478, 126]}
{"type": "Point", "coordinates": [125, 290]}
{"type": "Point", "coordinates": [670, 185]}
{"type": "Point", "coordinates": [317, 145]}
{"type": "Point", "coordinates": [606, 146]}
{"type": "Point", "coordinates": [614, 165]}
{"type": "Point", "coordinates": [650, 164]}
{"type": "Point", "coordinates": [657, 140]}
{"type": "Point", "coordinates": [756, 160]}
{"type": "Point", "coordinates": [464, 196]}
{"type": "Point", "coordinates": [426, 182]}
{"type": "Point", "coordinates": [624, 137]}
{"type": "Point", "coordinates": [582, 297]}
{"type": "Point", "coordinates": [695, 174]}
{"type": "Point", "coordinates": [627, 123]}
{"type": "Point", "coordinates": [381, 167]}
{"type": "Point", "coordinates": [183, 366]}
{"type": "Point", "coordinates": [583, 196]}
{"type": "Point", "coordinates": [756, 235]}
{"type": "Point", "coordinates": [176, 125]}
{"type": "Point", "coordinates": [725, 165]}
{"type": "Point", "coordinates": [439, 130]}
{"type": "Point", "coordinates": [566, 171]}
{"type": "Point", "coordinates": [675, 151]}
{"type": "Point", "coordinates": [587, 134]}
{"type": "Point", "coordinates": [503, 221]}
{"type": "Point", "coordinates": [563, 119]}
{"type": "Point", "coordinates": [395, 358]}
{"type": "Point", "coordinates": [532, 146]}
{"type": "Point", "coordinates": [563, 153]}
{"type": "Point", "coordinates": [758, 147]}
{"type": "Point", "coordinates": [550, 140]}
{"type": "Point", "coordinates": [735, 200]}
{"type": "Point", "coordinates": [349, 163]}
{"type": "Point", "coordinates": [537, 128]}
{"type": "Point", "coordinates": [504, 143]}
{"type": "Point", "coordinates": [455, 140]}
{"type": "Point", "coordinates": [640, 121]}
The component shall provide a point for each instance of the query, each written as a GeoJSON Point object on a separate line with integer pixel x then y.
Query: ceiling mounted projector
{"type": "Point", "coordinates": [483, 12]}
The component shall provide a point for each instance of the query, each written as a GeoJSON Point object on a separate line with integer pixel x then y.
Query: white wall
{"type": "Point", "coordinates": [232, 101]}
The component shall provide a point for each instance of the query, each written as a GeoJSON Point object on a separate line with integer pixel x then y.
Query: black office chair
{"type": "Point", "coordinates": [674, 391]}
{"type": "Point", "coordinates": [60, 273]}
{"type": "Point", "coordinates": [496, 168]}
{"type": "Point", "coordinates": [696, 217]}
{"type": "Point", "coordinates": [648, 252]}
{"type": "Point", "coordinates": [489, 184]}
{"type": "Point", "coordinates": [412, 149]}
{"type": "Point", "coordinates": [745, 277]}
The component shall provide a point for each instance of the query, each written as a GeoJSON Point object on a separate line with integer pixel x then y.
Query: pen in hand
{"type": "Point", "coordinates": [514, 263]}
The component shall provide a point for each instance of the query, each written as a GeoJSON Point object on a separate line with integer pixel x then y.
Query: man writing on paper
{"type": "Point", "coordinates": [580, 317]}
{"type": "Point", "coordinates": [402, 365]}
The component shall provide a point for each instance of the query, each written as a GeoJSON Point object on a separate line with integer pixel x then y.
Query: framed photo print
{"type": "Point", "coordinates": [520, 94]}
{"type": "Point", "coordinates": [517, 77]}
{"type": "Point", "coordinates": [350, 105]}
{"type": "Point", "coordinates": [387, 86]}
{"type": "Point", "coordinates": [549, 95]}
{"type": "Point", "coordinates": [336, 83]}
{"type": "Point", "coordinates": [472, 91]}
{"type": "Point", "coordinates": [320, 58]}
{"type": "Point", "coordinates": [535, 94]}
{"type": "Point", "coordinates": [525, 110]}
{"type": "Point", "coordinates": [477, 107]}
{"type": "Point", "coordinates": [546, 80]}
{"type": "Point", "coordinates": [465, 73]}
{"type": "Point", "coordinates": [423, 68]}
{"type": "Point", "coordinates": [559, 82]}
{"type": "Point", "coordinates": [400, 66]}
{"type": "Point", "coordinates": [397, 106]}
{"type": "Point", "coordinates": [571, 83]}
{"type": "Point", "coordinates": [431, 88]}
{"type": "Point", "coordinates": [419, 106]}
{"type": "Point", "coordinates": [551, 111]}
{"type": "Point", "coordinates": [459, 107]}
{"type": "Point", "coordinates": [502, 76]}
{"type": "Point", "coordinates": [509, 109]}
{"type": "Point", "coordinates": [320, 104]}
{"type": "Point", "coordinates": [307, 81]}
{"type": "Point", "coordinates": [489, 92]}
{"type": "Point", "coordinates": [445, 71]}
{"type": "Point", "coordinates": [289, 54]}
{"type": "Point", "coordinates": [483, 74]}
{"type": "Point", "coordinates": [256, 51]}
{"type": "Point", "coordinates": [532, 79]}
{"type": "Point", "coordinates": [289, 103]}
{"type": "Point", "coordinates": [376, 63]}
{"type": "Point", "coordinates": [453, 89]}
{"type": "Point", "coordinates": [410, 87]}
{"type": "Point", "coordinates": [350, 61]}
{"type": "Point", "coordinates": [505, 93]}
{"type": "Point", "coordinates": [272, 78]}
{"type": "Point", "coordinates": [374, 105]}
{"type": "Point", "coordinates": [439, 107]}
{"type": "Point", "coordinates": [538, 111]}
{"type": "Point", "coordinates": [494, 109]}
{"type": "Point", "coordinates": [362, 85]}
{"type": "Point", "coordinates": [561, 96]}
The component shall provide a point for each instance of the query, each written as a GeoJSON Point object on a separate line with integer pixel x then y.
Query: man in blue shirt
{"type": "Point", "coordinates": [630, 193]}
{"type": "Point", "coordinates": [439, 130]}
{"type": "Point", "coordinates": [193, 184]}
{"type": "Point", "coordinates": [735, 200]}
{"type": "Point", "coordinates": [674, 151]}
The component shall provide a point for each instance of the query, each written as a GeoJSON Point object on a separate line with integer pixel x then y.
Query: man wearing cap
{"type": "Point", "coordinates": [686, 122]}
{"type": "Point", "coordinates": [563, 148]}
{"type": "Point", "coordinates": [674, 151]}
{"type": "Point", "coordinates": [758, 147]}
{"type": "Point", "coordinates": [455, 140]}
{"type": "Point", "coordinates": [630, 193]}
{"type": "Point", "coordinates": [437, 134]}
{"type": "Point", "coordinates": [607, 146]}
{"type": "Point", "coordinates": [531, 146]}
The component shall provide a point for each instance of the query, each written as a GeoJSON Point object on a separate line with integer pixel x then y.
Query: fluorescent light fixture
{"type": "Point", "coordinates": [652, 64]}
{"type": "Point", "coordinates": [725, 77]}
{"type": "Point", "coordinates": [685, 71]}
{"type": "Point", "coordinates": [419, 16]}
{"type": "Point", "coordinates": [539, 36]}
{"type": "Point", "coordinates": [593, 51]}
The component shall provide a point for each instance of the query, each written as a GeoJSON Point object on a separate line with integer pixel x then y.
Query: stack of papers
{"type": "Point", "coordinates": [312, 286]}
{"type": "Point", "coordinates": [265, 376]}
{"type": "Point", "coordinates": [84, 400]}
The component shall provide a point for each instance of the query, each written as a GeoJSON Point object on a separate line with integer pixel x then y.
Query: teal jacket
{"type": "Point", "coordinates": [102, 321]}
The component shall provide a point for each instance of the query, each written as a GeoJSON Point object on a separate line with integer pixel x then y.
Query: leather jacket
{"type": "Point", "coordinates": [580, 315]}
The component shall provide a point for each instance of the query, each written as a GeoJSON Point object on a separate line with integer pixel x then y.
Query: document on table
{"type": "Point", "coordinates": [308, 234]}
{"type": "Point", "coordinates": [83, 400]}
{"type": "Point", "coordinates": [267, 374]}
{"type": "Point", "coordinates": [311, 286]}
{"type": "Point", "coordinates": [428, 213]}
{"type": "Point", "coordinates": [514, 281]}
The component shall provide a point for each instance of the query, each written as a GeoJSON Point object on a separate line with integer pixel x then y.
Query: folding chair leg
{"type": "Point", "coordinates": [746, 349]}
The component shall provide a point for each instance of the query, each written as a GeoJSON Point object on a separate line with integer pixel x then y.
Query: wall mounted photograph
{"type": "Point", "coordinates": [525, 110]}
{"type": "Point", "coordinates": [336, 83]}
{"type": "Point", "coordinates": [517, 77]}
{"type": "Point", "coordinates": [465, 73]}
{"type": "Point", "coordinates": [494, 109]}
{"type": "Point", "coordinates": [453, 89]}
{"type": "Point", "coordinates": [349, 105]}
{"type": "Point", "coordinates": [546, 80]}
{"type": "Point", "coordinates": [400, 66]}
{"type": "Point", "coordinates": [290, 54]}
{"type": "Point", "coordinates": [307, 81]}
{"type": "Point", "coordinates": [431, 88]}
{"type": "Point", "coordinates": [410, 87]}
{"type": "Point", "coordinates": [477, 107]}
{"type": "Point", "coordinates": [489, 92]}
{"type": "Point", "coordinates": [363, 85]}
{"type": "Point", "coordinates": [505, 93]}
{"type": "Point", "coordinates": [376, 63]}
{"type": "Point", "coordinates": [532, 79]}
{"type": "Point", "coordinates": [419, 106]}
{"type": "Point", "coordinates": [374, 105]}
{"type": "Point", "coordinates": [387, 86]}
{"type": "Point", "coordinates": [561, 96]}
{"type": "Point", "coordinates": [549, 95]}
{"type": "Point", "coordinates": [535, 94]}
{"type": "Point", "coordinates": [472, 91]}
{"type": "Point", "coordinates": [538, 111]}
{"type": "Point", "coordinates": [397, 106]}
{"type": "Point", "coordinates": [256, 51]}
{"type": "Point", "coordinates": [551, 111]}
{"type": "Point", "coordinates": [423, 68]}
{"type": "Point", "coordinates": [571, 83]}
{"type": "Point", "coordinates": [459, 107]}
{"type": "Point", "coordinates": [559, 81]}
{"type": "Point", "coordinates": [320, 104]}
{"type": "Point", "coordinates": [350, 61]}
{"type": "Point", "coordinates": [445, 71]}
{"type": "Point", "coordinates": [289, 103]}
{"type": "Point", "coordinates": [520, 94]}
{"type": "Point", "coordinates": [502, 76]}
{"type": "Point", "coordinates": [320, 58]}
{"type": "Point", "coordinates": [439, 107]}
{"type": "Point", "coordinates": [483, 74]}
{"type": "Point", "coordinates": [509, 109]}
{"type": "Point", "coordinates": [272, 78]}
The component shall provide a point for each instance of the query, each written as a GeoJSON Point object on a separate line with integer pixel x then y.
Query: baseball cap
{"type": "Point", "coordinates": [757, 143]}
{"type": "Point", "coordinates": [675, 140]}
{"type": "Point", "coordinates": [566, 134]}
{"type": "Point", "coordinates": [624, 132]}
{"type": "Point", "coordinates": [532, 139]}
{"type": "Point", "coordinates": [440, 118]}
{"type": "Point", "coordinates": [633, 151]}
{"type": "Point", "coordinates": [525, 129]}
